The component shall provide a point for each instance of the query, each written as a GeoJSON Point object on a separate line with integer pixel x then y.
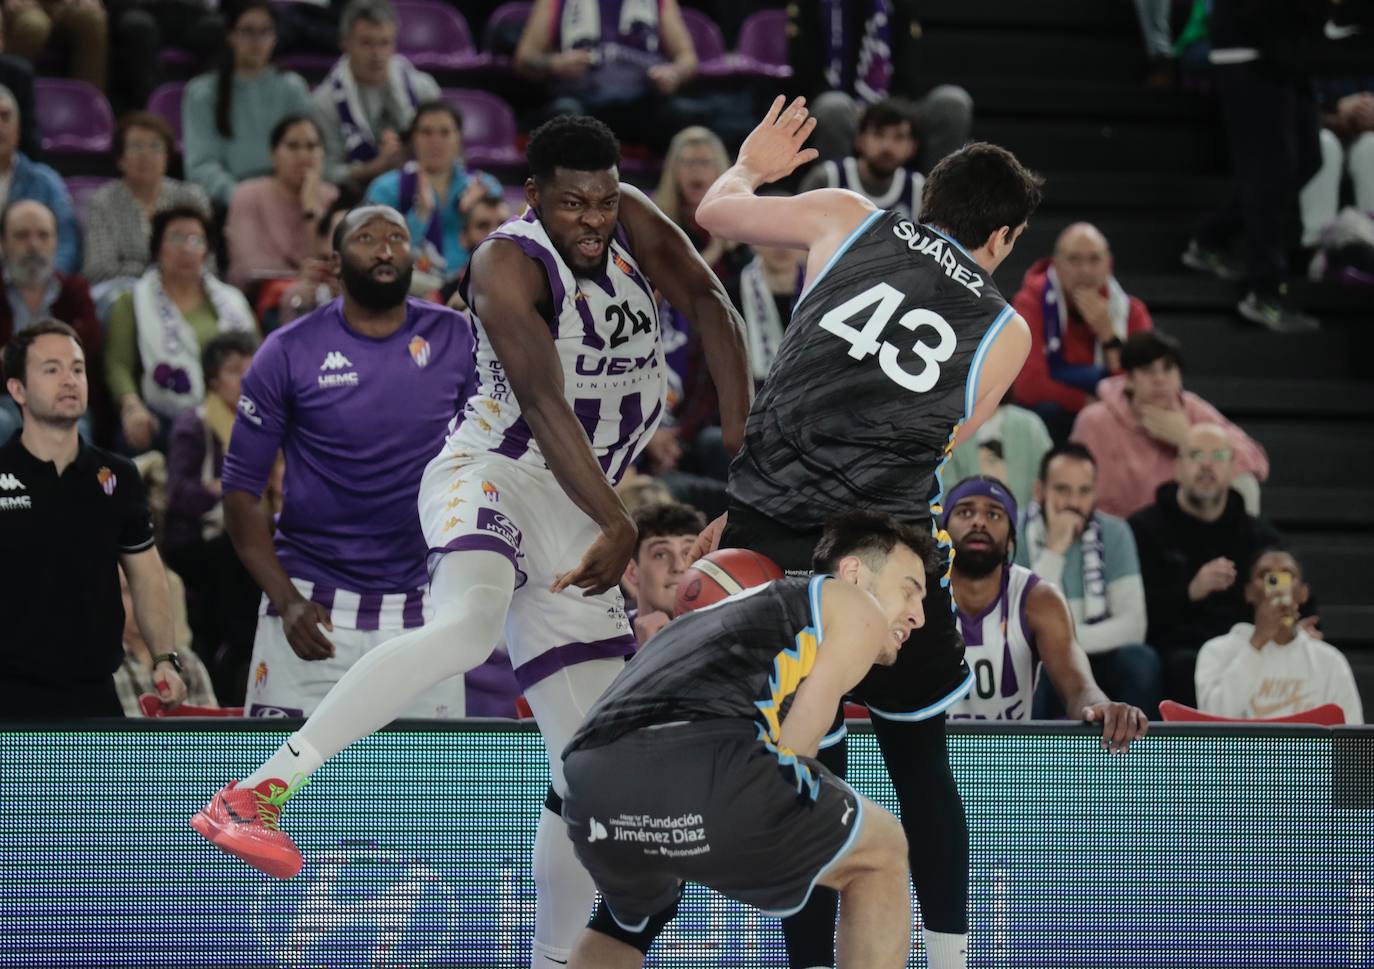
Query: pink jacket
{"type": "Point", "coordinates": [1131, 464]}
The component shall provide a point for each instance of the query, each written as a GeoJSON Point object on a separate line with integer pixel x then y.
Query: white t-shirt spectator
{"type": "Point", "coordinates": [1234, 679]}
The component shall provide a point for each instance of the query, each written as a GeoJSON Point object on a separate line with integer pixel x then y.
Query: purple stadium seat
{"type": "Point", "coordinates": [505, 17]}
{"type": "Point", "coordinates": [706, 39]}
{"type": "Point", "coordinates": [488, 128]}
{"type": "Point", "coordinates": [76, 117]}
{"type": "Point", "coordinates": [763, 41]}
{"type": "Point", "coordinates": [82, 187]}
{"type": "Point", "coordinates": [165, 102]}
{"type": "Point", "coordinates": [434, 36]}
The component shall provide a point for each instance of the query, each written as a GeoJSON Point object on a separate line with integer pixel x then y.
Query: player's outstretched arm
{"type": "Point", "coordinates": [817, 221]}
{"type": "Point", "coordinates": [682, 276]}
{"type": "Point", "coordinates": [1072, 676]}
{"type": "Point", "coordinates": [505, 287]}
{"type": "Point", "coordinates": [854, 632]}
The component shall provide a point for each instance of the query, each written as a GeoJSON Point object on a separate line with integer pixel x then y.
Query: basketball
{"type": "Point", "coordinates": [720, 574]}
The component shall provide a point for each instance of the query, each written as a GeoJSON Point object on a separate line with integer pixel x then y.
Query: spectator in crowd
{"type": "Point", "coordinates": [1191, 542]}
{"type": "Point", "coordinates": [1009, 446]}
{"type": "Point", "coordinates": [1272, 666]}
{"type": "Point", "coordinates": [16, 76]}
{"type": "Point", "coordinates": [884, 145]}
{"type": "Point", "coordinates": [223, 596]}
{"type": "Point", "coordinates": [765, 291]}
{"type": "Point", "coordinates": [696, 158]}
{"type": "Point", "coordinates": [358, 395]}
{"type": "Point", "coordinates": [663, 553]}
{"type": "Point", "coordinates": [483, 218]}
{"type": "Point", "coordinates": [22, 178]}
{"type": "Point", "coordinates": [32, 289]}
{"type": "Point", "coordinates": [137, 675]}
{"type": "Point", "coordinates": [369, 98]}
{"type": "Point", "coordinates": [624, 62]}
{"type": "Point", "coordinates": [75, 513]}
{"type": "Point", "coordinates": [159, 328]}
{"type": "Point", "coordinates": [1012, 623]}
{"type": "Point", "coordinates": [844, 55]}
{"type": "Point", "coordinates": [1090, 557]}
{"type": "Point", "coordinates": [639, 491]}
{"type": "Point", "coordinates": [1158, 35]}
{"type": "Point", "coordinates": [435, 191]}
{"type": "Point", "coordinates": [1270, 119]}
{"type": "Point", "coordinates": [143, 28]}
{"type": "Point", "coordinates": [1347, 145]}
{"type": "Point", "coordinates": [227, 115]}
{"type": "Point", "coordinates": [1143, 417]}
{"type": "Point", "coordinates": [119, 216]}
{"type": "Point", "coordinates": [282, 300]}
{"type": "Point", "coordinates": [77, 26]}
{"type": "Point", "coordinates": [270, 218]}
{"type": "Point", "coordinates": [1078, 316]}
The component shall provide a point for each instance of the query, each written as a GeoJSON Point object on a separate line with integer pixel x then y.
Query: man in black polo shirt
{"type": "Point", "coordinates": [70, 514]}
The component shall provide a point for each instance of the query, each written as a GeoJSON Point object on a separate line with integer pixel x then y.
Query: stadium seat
{"type": "Point", "coordinates": [488, 128]}
{"type": "Point", "coordinates": [151, 706]}
{"type": "Point", "coordinates": [76, 117]}
{"type": "Point", "coordinates": [165, 102]}
{"type": "Point", "coordinates": [762, 47]}
{"type": "Point", "coordinates": [82, 187]}
{"type": "Point", "coordinates": [708, 42]}
{"type": "Point", "coordinates": [505, 21]}
{"type": "Point", "coordinates": [434, 36]}
{"type": "Point", "coordinates": [1326, 715]}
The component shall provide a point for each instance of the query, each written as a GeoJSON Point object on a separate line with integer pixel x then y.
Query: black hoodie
{"type": "Point", "coordinates": [1173, 545]}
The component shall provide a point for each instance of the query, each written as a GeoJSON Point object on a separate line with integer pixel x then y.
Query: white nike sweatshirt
{"type": "Point", "coordinates": [1236, 680]}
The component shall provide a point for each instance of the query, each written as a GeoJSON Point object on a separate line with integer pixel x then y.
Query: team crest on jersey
{"type": "Point", "coordinates": [107, 480]}
{"type": "Point", "coordinates": [419, 350]}
{"type": "Point", "coordinates": [490, 492]}
{"type": "Point", "coordinates": [260, 675]}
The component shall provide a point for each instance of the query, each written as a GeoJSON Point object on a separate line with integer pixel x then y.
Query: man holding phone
{"type": "Point", "coordinates": [1274, 667]}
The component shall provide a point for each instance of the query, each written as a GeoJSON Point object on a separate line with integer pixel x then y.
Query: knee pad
{"type": "Point", "coordinates": [604, 922]}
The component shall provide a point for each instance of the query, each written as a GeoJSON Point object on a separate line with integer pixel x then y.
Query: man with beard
{"type": "Point", "coordinates": [1195, 542]}
{"type": "Point", "coordinates": [357, 395]}
{"type": "Point", "coordinates": [570, 387]}
{"type": "Point", "coordinates": [885, 144]}
{"type": "Point", "coordinates": [33, 288]}
{"type": "Point", "coordinates": [1012, 622]}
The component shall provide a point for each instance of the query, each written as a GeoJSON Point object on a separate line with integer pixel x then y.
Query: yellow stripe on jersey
{"type": "Point", "coordinates": [790, 667]}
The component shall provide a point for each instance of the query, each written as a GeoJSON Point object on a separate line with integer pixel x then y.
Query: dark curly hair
{"type": "Point", "coordinates": [572, 141]}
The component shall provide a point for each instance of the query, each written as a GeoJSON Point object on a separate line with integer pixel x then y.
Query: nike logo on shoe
{"type": "Point", "coordinates": [294, 751]}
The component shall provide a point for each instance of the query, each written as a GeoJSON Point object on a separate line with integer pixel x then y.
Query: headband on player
{"type": "Point", "coordinates": [978, 487]}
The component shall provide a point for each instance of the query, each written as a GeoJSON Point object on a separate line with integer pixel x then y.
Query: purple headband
{"type": "Point", "coordinates": [971, 487]}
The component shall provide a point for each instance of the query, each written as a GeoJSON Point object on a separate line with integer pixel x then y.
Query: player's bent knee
{"type": "Point", "coordinates": [881, 845]}
{"type": "Point", "coordinates": [640, 937]}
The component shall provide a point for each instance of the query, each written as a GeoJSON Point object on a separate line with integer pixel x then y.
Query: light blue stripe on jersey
{"type": "Point", "coordinates": [979, 356]}
{"type": "Point", "coordinates": [814, 590]}
{"type": "Point", "coordinates": [939, 706]}
{"type": "Point", "coordinates": [844, 247]}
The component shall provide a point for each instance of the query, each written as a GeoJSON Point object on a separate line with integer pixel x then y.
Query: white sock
{"type": "Point", "coordinates": [564, 890]}
{"type": "Point", "coordinates": [471, 592]}
{"type": "Point", "coordinates": [946, 950]}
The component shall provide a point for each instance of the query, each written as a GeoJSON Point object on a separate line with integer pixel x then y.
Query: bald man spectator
{"type": "Point", "coordinates": [33, 289]}
{"type": "Point", "coordinates": [1141, 419]}
{"type": "Point", "coordinates": [23, 178]}
{"type": "Point", "coordinates": [1193, 543]}
{"type": "Point", "coordinates": [1078, 316]}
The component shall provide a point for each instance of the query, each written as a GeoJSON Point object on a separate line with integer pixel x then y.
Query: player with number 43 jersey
{"type": "Point", "coordinates": [899, 347]}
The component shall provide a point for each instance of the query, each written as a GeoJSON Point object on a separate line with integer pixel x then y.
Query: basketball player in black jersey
{"type": "Point", "coordinates": [697, 762]}
{"type": "Point", "coordinates": [899, 347]}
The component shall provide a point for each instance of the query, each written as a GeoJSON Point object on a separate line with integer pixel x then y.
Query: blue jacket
{"type": "Point", "coordinates": [34, 180]}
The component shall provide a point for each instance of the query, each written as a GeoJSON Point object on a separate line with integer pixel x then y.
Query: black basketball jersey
{"type": "Point", "coordinates": [874, 375]}
{"type": "Point", "coordinates": [742, 658]}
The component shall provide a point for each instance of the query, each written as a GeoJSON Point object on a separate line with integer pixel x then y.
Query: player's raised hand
{"type": "Point", "coordinates": [1122, 724]}
{"type": "Point", "coordinates": [709, 539]}
{"type": "Point", "coordinates": [774, 150]}
{"type": "Point", "coordinates": [604, 562]}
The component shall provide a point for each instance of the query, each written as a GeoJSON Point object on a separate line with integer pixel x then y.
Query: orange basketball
{"type": "Point", "coordinates": [720, 574]}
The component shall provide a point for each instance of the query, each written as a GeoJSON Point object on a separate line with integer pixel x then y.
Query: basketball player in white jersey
{"type": "Point", "coordinates": [570, 388]}
{"type": "Point", "coordinates": [1012, 623]}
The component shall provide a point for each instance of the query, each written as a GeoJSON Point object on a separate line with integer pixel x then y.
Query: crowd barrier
{"type": "Point", "coordinates": [1217, 845]}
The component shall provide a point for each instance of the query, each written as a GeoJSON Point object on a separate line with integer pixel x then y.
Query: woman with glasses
{"type": "Point", "coordinates": [159, 328]}
{"type": "Point", "coordinates": [227, 114]}
{"type": "Point", "coordinates": [119, 217]}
